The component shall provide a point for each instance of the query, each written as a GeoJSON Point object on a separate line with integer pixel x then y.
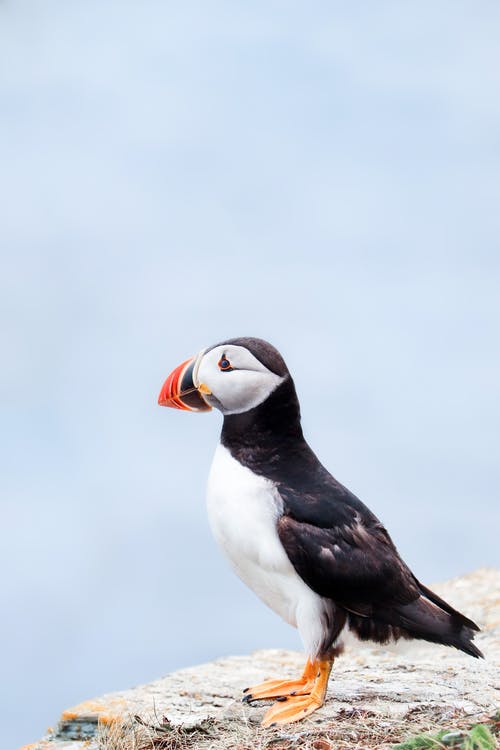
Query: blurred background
{"type": "Point", "coordinates": [325, 176]}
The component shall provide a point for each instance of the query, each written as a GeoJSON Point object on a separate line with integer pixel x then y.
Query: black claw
{"type": "Point", "coordinates": [245, 690]}
{"type": "Point", "coordinates": [282, 698]}
{"type": "Point", "coordinates": [294, 693]}
{"type": "Point", "coordinates": [247, 698]}
{"type": "Point", "coordinates": [274, 724]}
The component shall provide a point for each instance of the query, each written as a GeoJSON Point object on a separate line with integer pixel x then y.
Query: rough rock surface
{"type": "Point", "coordinates": [413, 684]}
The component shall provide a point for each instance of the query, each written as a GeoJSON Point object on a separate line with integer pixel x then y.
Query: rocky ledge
{"type": "Point", "coordinates": [377, 695]}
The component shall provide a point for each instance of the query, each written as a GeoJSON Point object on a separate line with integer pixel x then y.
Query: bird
{"type": "Point", "coordinates": [305, 544]}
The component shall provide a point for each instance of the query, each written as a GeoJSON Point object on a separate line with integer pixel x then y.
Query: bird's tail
{"type": "Point", "coordinates": [431, 618]}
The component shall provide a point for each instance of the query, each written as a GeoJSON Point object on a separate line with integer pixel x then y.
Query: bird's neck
{"type": "Point", "coordinates": [262, 437]}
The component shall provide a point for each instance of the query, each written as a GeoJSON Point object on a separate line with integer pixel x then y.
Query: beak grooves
{"type": "Point", "coordinates": [179, 390]}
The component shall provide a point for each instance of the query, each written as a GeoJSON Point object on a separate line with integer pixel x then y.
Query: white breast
{"type": "Point", "coordinates": [243, 509]}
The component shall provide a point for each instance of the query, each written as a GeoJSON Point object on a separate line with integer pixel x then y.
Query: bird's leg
{"type": "Point", "coordinates": [297, 707]}
{"type": "Point", "coordinates": [281, 688]}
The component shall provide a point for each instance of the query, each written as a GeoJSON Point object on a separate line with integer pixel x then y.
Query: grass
{"type": "Point", "coordinates": [478, 737]}
{"type": "Point", "coordinates": [352, 730]}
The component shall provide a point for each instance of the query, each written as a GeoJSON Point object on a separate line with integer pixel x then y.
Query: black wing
{"type": "Point", "coordinates": [342, 551]}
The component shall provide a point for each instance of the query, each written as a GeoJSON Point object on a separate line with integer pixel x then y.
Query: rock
{"type": "Point", "coordinates": [392, 691]}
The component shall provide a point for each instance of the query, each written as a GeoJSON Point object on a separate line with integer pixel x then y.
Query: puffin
{"type": "Point", "coordinates": [305, 544]}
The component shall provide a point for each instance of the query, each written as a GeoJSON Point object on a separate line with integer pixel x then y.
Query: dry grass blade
{"type": "Point", "coordinates": [353, 730]}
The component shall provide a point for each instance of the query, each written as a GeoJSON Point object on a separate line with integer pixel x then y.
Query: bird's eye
{"type": "Point", "coordinates": [224, 364]}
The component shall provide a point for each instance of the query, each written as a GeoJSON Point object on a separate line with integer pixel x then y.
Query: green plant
{"type": "Point", "coordinates": [479, 737]}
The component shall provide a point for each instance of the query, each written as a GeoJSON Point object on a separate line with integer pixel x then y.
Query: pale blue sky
{"type": "Point", "coordinates": [325, 176]}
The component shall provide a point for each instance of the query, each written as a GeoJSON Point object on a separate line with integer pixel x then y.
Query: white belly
{"type": "Point", "coordinates": [243, 509]}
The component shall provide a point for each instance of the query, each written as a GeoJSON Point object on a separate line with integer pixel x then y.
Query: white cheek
{"type": "Point", "coordinates": [239, 391]}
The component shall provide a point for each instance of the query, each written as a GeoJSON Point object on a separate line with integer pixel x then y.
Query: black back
{"type": "Point", "coordinates": [335, 543]}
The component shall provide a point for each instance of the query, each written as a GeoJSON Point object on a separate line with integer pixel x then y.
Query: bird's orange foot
{"type": "Point", "coordinates": [282, 688]}
{"type": "Point", "coordinates": [277, 689]}
{"type": "Point", "coordinates": [296, 707]}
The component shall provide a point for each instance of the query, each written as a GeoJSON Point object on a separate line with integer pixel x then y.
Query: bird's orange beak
{"type": "Point", "coordinates": [179, 390]}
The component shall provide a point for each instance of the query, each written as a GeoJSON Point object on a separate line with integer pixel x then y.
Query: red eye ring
{"type": "Point", "coordinates": [224, 364]}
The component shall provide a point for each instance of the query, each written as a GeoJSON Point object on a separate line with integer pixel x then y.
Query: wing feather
{"type": "Point", "coordinates": [345, 554]}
